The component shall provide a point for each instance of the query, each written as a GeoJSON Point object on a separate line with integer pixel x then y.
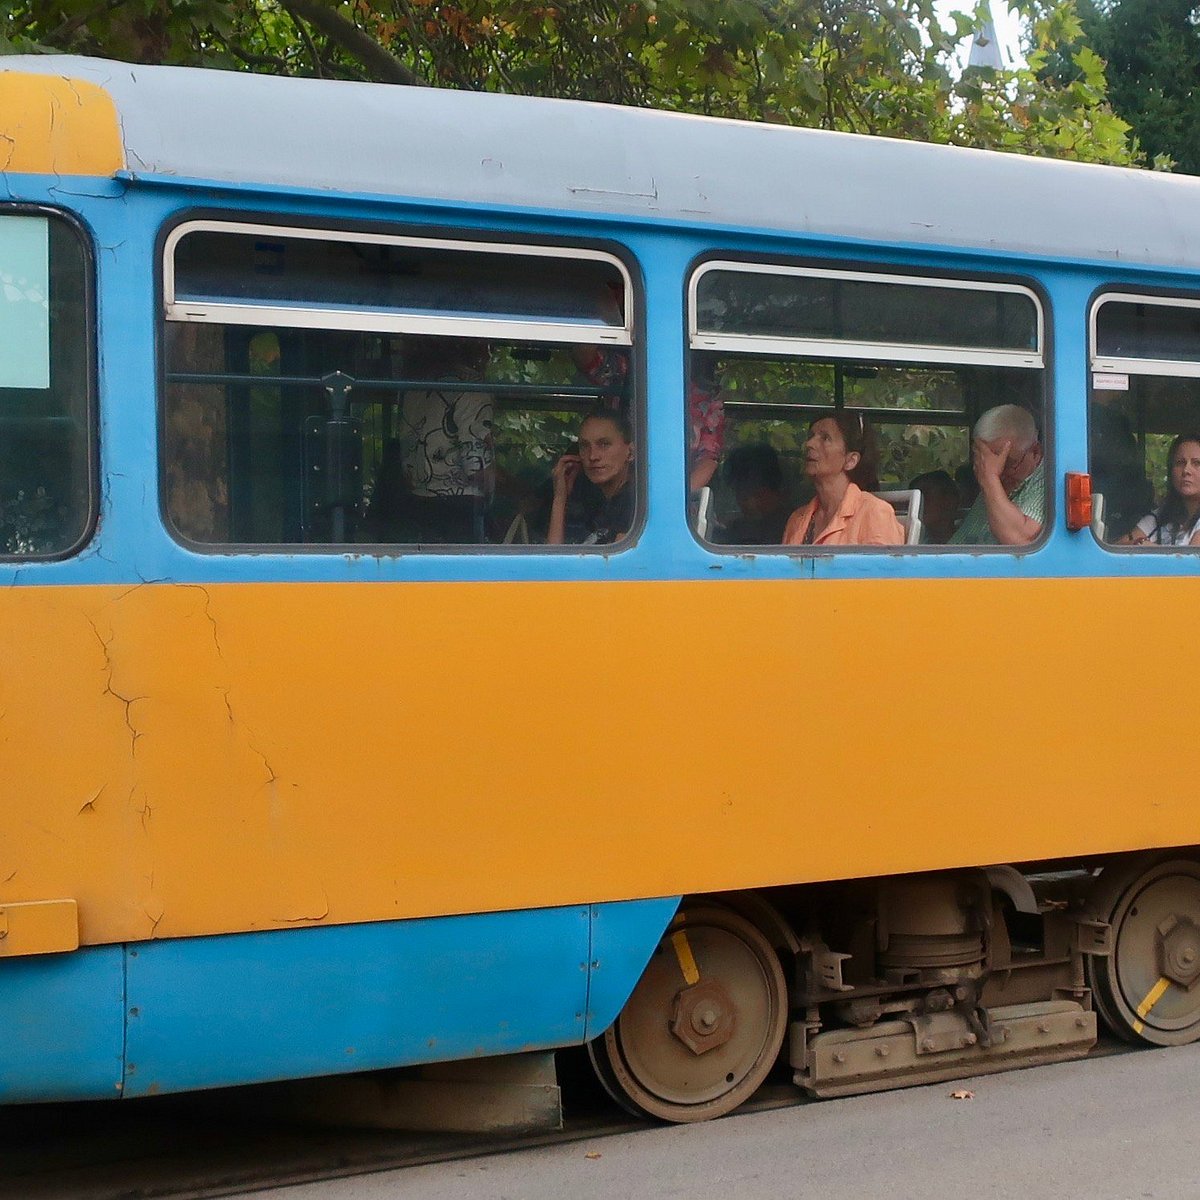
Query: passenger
{"type": "Point", "coordinates": [594, 496]}
{"type": "Point", "coordinates": [939, 506]}
{"type": "Point", "coordinates": [706, 422]}
{"type": "Point", "coordinates": [967, 484]}
{"type": "Point", "coordinates": [607, 367]}
{"type": "Point", "coordinates": [1007, 458]}
{"type": "Point", "coordinates": [840, 458]}
{"type": "Point", "coordinates": [1177, 521]}
{"type": "Point", "coordinates": [604, 367]}
{"type": "Point", "coordinates": [446, 448]}
{"type": "Point", "coordinates": [1116, 465]}
{"type": "Point", "coordinates": [756, 477]}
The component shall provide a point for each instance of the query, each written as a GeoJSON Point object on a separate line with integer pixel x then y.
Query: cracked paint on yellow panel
{"type": "Point", "coordinates": [188, 760]}
{"type": "Point", "coordinates": [54, 125]}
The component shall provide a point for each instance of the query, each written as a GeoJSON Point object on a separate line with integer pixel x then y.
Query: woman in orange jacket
{"type": "Point", "coordinates": [841, 458]}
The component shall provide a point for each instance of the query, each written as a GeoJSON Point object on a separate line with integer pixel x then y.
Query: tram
{"type": "Point", "coordinates": [320, 758]}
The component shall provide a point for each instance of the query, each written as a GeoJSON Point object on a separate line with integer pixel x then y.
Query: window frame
{"type": "Point", "coordinates": [90, 384]}
{"type": "Point", "coordinates": [818, 350]}
{"type": "Point", "coordinates": [1168, 368]}
{"type": "Point", "coordinates": [1171, 367]}
{"type": "Point", "coordinates": [892, 352]}
{"type": "Point", "coordinates": [372, 320]}
{"type": "Point", "coordinates": [419, 233]}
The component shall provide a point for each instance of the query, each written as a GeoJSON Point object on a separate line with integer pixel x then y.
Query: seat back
{"type": "Point", "coordinates": [704, 511]}
{"type": "Point", "coordinates": [907, 503]}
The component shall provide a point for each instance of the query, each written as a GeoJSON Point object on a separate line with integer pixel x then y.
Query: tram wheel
{"type": "Point", "coordinates": [704, 1025]}
{"type": "Point", "coordinates": [1148, 988]}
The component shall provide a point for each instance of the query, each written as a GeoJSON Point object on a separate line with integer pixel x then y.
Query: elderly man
{"type": "Point", "coordinates": [1007, 458]}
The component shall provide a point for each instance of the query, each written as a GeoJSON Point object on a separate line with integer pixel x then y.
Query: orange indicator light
{"type": "Point", "coordinates": [1079, 500]}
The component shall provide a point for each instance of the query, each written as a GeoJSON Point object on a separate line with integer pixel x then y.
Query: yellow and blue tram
{"type": "Point", "coordinates": [294, 786]}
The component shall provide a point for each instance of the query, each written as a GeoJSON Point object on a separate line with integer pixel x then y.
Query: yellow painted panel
{"type": "Point", "coordinates": [187, 760]}
{"type": "Point", "coordinates": [38, 927]}
{"type": "Point", "coordinates": [53, 125]}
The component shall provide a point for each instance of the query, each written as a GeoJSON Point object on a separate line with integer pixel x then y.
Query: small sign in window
{"type": "Point", "coordinates": [24, 302]}
{"type": "Point", "coordinates": [1108, 381]}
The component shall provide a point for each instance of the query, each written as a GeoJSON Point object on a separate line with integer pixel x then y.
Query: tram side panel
{"type": "Point", "coordinates": [220, 781]}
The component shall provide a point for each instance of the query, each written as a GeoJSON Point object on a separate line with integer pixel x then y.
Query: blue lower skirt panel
{"type": "Point", "coordinates": [63, 1022]}
{"type": "Point", "coordinates": [623, 938]}
{"type": "Point", "coordinates": [252, 1007]}
{"type": "Point", "coordinates": [247, 1008]}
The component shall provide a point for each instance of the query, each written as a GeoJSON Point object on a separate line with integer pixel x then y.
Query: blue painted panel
{"type": "Point", "coordinates": [623, 938]}
{"type": "Point", "coordinates": [132, 545]}
{"type": "Point", "coordinates": [244, 1008]}
{"type": "Point", "coordinates": [62, 1016]}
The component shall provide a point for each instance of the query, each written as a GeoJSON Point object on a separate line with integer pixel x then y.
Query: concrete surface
{"type": "Point", "coordinates": [1122, 1127]}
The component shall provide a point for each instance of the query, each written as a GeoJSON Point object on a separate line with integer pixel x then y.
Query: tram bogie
{"type": "Point", "coordinates": [907, 980]}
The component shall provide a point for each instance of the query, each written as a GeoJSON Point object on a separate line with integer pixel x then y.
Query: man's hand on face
{"type": "Point", "coordinates": [988, 460]}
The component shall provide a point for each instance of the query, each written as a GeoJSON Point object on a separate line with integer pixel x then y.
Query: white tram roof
{"type": "Point", "coordinates": [526, 152]}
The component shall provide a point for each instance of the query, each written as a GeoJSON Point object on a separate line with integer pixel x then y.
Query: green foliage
{"type": "Point", "coordinates": [1152, 54]}
{"type": "Point", "coordinates": [894, 398]}
{"type": "Point", "coordinates": [869, 66]}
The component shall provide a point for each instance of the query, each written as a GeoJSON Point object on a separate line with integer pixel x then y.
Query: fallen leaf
{"type": "Point", "coordinates": [962, 1095]}
{"type": "Point", "coordinates": [592, 1154]}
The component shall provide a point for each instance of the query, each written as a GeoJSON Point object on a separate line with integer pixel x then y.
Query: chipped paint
{"type": "Point", "coordinates": [201, 759]}
{"type": "Point", "coordinates": [55, 125]}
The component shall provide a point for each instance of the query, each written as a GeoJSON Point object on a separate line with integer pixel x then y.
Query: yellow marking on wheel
{"type": "Point", "coordinates": [1153, 996]}
{"type": "Point", "coordinates": [683, 952]}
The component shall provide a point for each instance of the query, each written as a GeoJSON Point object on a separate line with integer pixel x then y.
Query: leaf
{"type": "Point", "coordinates": [962, 1094]}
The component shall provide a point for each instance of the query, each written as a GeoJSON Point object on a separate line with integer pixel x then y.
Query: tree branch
{"type": "Point", "coordinates": [307, 38]}
{"type": "Point", "coordinates": [279, 65]}
{"type": "Point", "coordinates": [58, 36]}
{"type": "Point", "coordinates": [384, 66]}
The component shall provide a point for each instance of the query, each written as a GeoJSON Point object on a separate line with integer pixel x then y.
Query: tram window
{"type": "Point", "coordinates": [914, 362]}
{"type": "Point", "coordinates": [832, 309]}
{"type": "Point", "coordinates": [387, 283]}
{"type": "Point", "coordinates": [438, 441]}
{"type": "Point", "coordinates": [431, 425]}
{"type": "Point", "coordinates": [1145, 397]}
{"type": "Point", "coordinates": [46, 447]}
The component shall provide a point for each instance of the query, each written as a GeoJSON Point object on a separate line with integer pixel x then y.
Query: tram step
{"type": "Point", "coordinates": [891, 1054]}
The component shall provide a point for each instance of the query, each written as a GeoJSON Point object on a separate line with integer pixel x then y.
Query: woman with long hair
{"type": "Point", "coordinates": [1177, 521]}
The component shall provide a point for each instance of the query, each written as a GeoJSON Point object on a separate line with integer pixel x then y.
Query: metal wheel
{"type": "Point", "coordinates": [704, 1024]}
{"type": "Point", "coordinates": [1146, 990]}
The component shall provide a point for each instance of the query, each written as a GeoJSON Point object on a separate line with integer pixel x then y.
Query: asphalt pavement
{"type": "Point", "coordinates": [1122, 1127]}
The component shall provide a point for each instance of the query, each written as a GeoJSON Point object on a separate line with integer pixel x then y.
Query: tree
{"type": "Point", "coordinates": [872, 66]}
{"type": "Point", "coordinates": [1152, 48]}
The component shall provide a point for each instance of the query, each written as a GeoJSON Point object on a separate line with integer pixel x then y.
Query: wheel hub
{"type": "Point", "coordinates": [1146, 988]}
{"type": "Point", "coordinates": [704, 1024]}
{"type": "Point", "coordinates": [702, 1017]}
{"type": "Point", "coordinates": [1179, 950]}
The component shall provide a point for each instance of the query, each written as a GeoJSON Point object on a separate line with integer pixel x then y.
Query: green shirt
{"type": "Point", "coordinates": [1029, 496]}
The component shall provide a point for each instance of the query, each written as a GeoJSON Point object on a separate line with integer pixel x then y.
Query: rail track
{"type": "Point", "coordinates": [201, 1147]}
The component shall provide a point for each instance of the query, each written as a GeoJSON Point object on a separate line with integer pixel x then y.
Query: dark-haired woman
{"type": "Point", "coordinates": [598, 509]}
{"type": "Point", "coordinates": [1177, 522]}
{"type": "Point", "coordinates": [841, 458]}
